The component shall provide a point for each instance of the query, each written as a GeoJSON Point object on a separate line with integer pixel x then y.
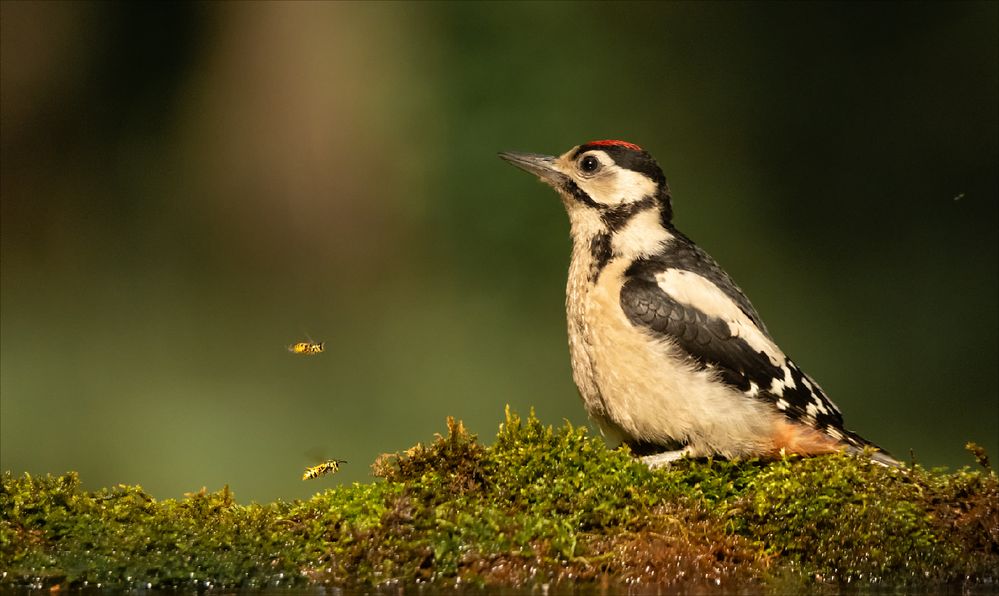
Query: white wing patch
{"type": "Point", "coordinates": [792, 391]}
{"type": "Point", "coordinates": [690, 289]}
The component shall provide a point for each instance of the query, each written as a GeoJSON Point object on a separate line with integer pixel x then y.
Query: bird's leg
{"type": "Point", "coordinates": [659, 460]}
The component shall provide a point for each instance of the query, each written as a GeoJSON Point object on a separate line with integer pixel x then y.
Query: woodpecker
{"type": "Point", "coordinates": [668, 353]}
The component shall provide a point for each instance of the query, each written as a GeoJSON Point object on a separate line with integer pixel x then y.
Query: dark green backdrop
{"type": "Point", "coordinates": [188, 188]}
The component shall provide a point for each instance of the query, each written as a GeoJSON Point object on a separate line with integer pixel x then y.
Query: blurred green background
{"type": "Point", "coordinates": [188, 188]}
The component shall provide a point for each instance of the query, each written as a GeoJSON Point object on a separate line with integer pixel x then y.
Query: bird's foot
{"type": "Point", "coordinates": [659, 460]}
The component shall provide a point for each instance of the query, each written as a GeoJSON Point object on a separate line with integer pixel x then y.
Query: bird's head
{"type": "Point", "coordinates": [609, 188]}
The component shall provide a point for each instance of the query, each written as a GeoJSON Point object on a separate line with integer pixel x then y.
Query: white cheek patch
{"type": "Point", "coordinates": [691, 289]}
{"type": "Point", "coordinates": [618, 186]}
{"type": "Point", "coordinates": [643, 235]}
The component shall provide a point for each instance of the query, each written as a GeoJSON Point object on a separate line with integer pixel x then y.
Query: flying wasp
{"type": "Point", "coordinates": [329, 466]}
{"type": "Point", "coordinates": [307, 348]}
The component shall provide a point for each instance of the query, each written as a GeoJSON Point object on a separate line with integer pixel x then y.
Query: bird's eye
{"type": "Point", "coordinates": [589, 164]}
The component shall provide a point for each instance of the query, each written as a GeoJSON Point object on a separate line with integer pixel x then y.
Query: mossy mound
{"type": "Point", "coordinates": [539, 506]}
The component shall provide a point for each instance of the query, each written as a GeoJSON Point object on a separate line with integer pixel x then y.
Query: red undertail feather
{"type": "Point", "coordinates": [792, 437]}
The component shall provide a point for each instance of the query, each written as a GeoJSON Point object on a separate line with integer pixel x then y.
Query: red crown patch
{"type": "Point", "coordinates": [610, 143]}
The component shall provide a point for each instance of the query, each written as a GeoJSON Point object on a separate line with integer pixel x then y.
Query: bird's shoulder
{"type": "Point", "coordinates": [682, 254]}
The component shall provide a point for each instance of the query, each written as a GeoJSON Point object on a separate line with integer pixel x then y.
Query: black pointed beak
{"type": "Point", "coordinates": [542, 166]}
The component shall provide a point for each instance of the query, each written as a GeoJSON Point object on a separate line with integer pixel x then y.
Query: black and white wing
{"type": "Point", "coordinates": [684, 297]}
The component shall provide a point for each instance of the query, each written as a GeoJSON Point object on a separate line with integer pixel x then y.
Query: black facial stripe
{"type": "Point", "coordinates": [637, 161]}
{"type": "Point", "coordinates": [577, 193]}
{"type": "Point", "coordinates": [616, 217]}
{"type": "Point", "coordinates": [613, 216]}
{"type": "Point", "coordinates": [600, 250]}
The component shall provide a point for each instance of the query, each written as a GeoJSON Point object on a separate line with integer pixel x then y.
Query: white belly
{"type": "Point", "coordinates": [638, 390]}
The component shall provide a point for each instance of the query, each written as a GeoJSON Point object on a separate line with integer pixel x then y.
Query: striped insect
{"type": "Point", "coordinates": [307, 348]}
{"type": "Point", "coordinates": [329, 466]}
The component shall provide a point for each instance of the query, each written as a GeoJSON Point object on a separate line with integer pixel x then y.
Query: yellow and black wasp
{"type": "Point", "coordinates": [329, 466]}
{"type": "Point", "coordinates": [307, 348]}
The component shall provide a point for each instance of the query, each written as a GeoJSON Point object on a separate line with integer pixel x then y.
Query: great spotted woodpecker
{"type": "Point", "coordinates": [668, 354]}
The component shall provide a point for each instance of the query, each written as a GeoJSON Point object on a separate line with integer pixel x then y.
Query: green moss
{"type": "Point", "coordinates": [539, 505]}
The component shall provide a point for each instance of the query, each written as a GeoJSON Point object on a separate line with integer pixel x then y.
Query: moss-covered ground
{"type": "Point", "coordinates": [541, 505]}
